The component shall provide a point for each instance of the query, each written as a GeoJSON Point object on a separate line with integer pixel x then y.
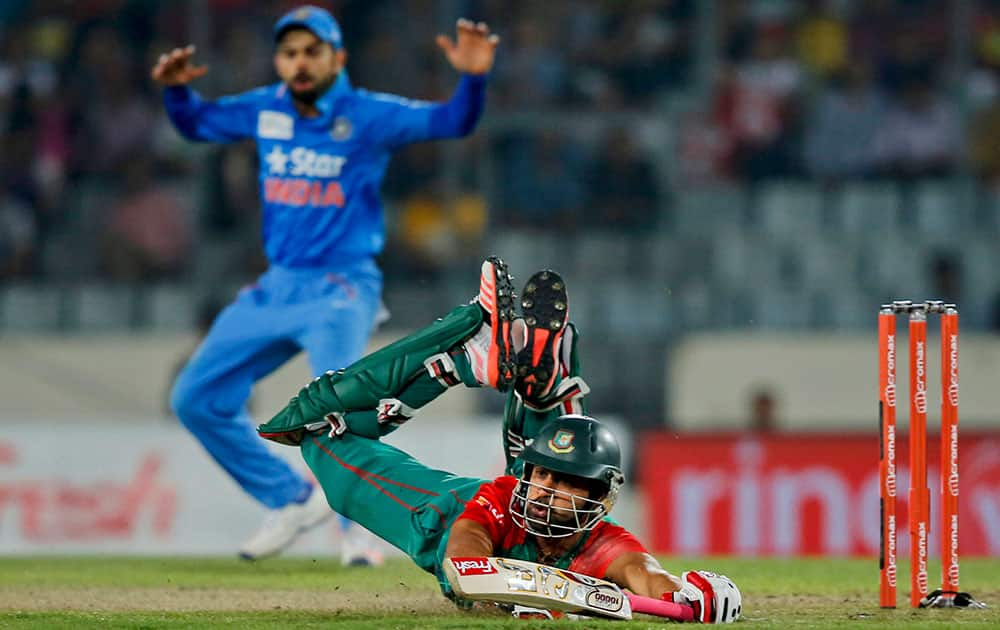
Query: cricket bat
{"type": "Point", "coordinates": [487, 578]}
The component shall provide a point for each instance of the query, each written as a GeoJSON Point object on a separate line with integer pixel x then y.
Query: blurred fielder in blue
{"type": "Point", "coordinates": [323, 147]}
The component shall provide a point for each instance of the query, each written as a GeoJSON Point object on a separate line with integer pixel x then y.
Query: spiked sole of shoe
{"type": "Point", "coordinates": [544, 306]}
{"type": "Point", "coordinates": [505, 314]}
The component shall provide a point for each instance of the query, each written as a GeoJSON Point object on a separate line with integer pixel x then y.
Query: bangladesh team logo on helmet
{"type": "Point", "coordinates": [584, 453]}
{"type": "Point", "coordinates": [561, 442]}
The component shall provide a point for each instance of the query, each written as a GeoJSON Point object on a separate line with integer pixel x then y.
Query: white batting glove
{"type": "Point", "coordinates": [714, 597]}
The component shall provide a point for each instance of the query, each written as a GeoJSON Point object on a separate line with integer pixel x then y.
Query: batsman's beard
{"type": "Point", "coordinates": [537, 513]}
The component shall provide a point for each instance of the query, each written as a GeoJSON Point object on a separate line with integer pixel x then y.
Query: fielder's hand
{"type": "Point", "coordinates": [175, 67]}
{"type": "Point", "coordinates": [714, 597]}
{"type": "Point", "coordinates": [475, 49]}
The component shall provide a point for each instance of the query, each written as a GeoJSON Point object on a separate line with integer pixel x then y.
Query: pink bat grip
{"type": "Point", "coordinates": [660, 608]}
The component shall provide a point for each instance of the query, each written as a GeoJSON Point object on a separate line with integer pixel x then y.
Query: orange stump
{"type": "Point", "coordinates": [887, 456]}
{"type": "Point", "coordinates": [920, 506]}
{"type": "Point", "coordinates": [949, 450]}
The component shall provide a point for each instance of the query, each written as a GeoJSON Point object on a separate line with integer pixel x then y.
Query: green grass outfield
{"type": "Point", "coordinates": [114, 592]}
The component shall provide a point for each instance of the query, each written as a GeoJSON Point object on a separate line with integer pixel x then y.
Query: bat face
{"type": "Point", "coordinates": [532, 584]}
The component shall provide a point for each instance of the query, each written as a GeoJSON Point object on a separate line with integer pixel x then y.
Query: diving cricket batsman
{"type": "Point", "coordinates": [564, 468]}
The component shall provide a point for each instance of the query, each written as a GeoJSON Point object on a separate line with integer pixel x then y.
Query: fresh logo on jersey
{"type": "Point", "coordinates": [303, 162]}
{"type": "Point", "coordinates": [274, 125]}
{"type": "Point", "coordinates": [562, 442]}
{"type": "Point", "coordinates": [342, 129]}
{"type": "Point", "coordinates": [473, 566]}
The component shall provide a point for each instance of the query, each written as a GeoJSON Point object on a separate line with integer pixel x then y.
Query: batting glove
{"type": "Point", "coordinates": [714, 598]}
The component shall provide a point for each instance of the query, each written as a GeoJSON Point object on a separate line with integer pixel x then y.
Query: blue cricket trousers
{"type": "Point", "coordinates": [330, 313]}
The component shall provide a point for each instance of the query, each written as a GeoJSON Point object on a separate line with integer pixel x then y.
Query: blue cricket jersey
{"type": "Point", "coordinates": [320, 177]}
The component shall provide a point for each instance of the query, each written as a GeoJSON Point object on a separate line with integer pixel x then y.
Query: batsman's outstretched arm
{"type": "Point", "coordinates": [642, 574]}
{"type": "Point", "coordinates": [713, 598]}
{"type": "Point", "coordinates": [468, 539]}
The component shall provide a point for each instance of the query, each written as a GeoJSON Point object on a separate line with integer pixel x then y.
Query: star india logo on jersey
{"type": "Point", "coordinates": [562, 442]}
{"type": "Point", "coordinates": [303, 162]}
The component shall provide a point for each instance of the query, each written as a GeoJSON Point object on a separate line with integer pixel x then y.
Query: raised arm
{"type": "Point", "coordinates": [401, 121]}
{"type": "Point", "coordinates": [225, 120]}
{"type": "Point", "coordinates": [472, 53]}
{"type": "Point", "coordinates": [474, 48]}
{"type": "Point", "coordinates": [176, 68]}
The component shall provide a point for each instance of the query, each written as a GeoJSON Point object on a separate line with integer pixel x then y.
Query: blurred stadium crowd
{"type": "Point", "coordinates": [687, 164]}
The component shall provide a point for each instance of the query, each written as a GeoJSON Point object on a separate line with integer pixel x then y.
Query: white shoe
{"type": "Point", "coordinates": [283, 526]}
{"type": "Point", "coordinates": [359, 547]}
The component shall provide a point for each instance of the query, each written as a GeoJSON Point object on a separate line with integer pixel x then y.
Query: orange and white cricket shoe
{"type": "Point", "coordinates": [545, 311]}
{"type": "Point", "coordinates": [490, 351]}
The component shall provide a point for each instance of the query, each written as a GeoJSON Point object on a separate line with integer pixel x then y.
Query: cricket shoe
{"type": "Point", "coordinates": [545, 312]}
{"type": "Point", "coordinates": [283, 525]}
{"type": "Point", "coordinates": [490, 351]}
{"type": "Point", "coordinates": [570, 388]}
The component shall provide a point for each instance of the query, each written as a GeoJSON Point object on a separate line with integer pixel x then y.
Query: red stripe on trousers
{"type": "Point", "coordinates": [367, 476]}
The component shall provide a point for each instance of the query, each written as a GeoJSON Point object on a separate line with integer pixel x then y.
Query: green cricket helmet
{"type": "Point", "coordinates": [587, 452]}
